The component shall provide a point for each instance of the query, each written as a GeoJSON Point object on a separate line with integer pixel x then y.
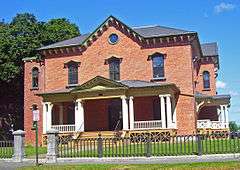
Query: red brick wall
{"type": "Point", "coordinates": [207, 66]}
{"type": "Point", "coordinates": [134, 66]}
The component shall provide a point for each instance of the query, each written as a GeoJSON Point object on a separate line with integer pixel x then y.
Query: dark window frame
{"type": "Point", "coordinates": [114, 68]}
{"type": "Point", "coordinates": [72, 72]}
{"type": "Point", "coordinates": [35, 78]}
{"type": "Point", "coordinates": [158, 69]}
{"type": "Point", "coordinates": [206, 80]}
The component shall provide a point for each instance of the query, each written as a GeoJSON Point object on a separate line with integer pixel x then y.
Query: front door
{"type": "Point", "coordinates": [115, 115]}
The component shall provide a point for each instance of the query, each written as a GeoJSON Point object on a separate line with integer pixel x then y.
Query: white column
{"type": "Point", "coordinates": [47, 116]}
{"type": "Point", "coordinates": [174, 114]}
{"type": "Point", "coordinates": [131, 112]}
{"type": "Point", "coordinates": [61, 114]}
{"type": "Point", "coordinates": [222, 116]}
{"type": "Point", "coordinates": [79, 116]}
{"type": "Point", "coordinates": [226, 116]}
{"type": "Point", "coordinates": [125, 112]}
{"type": "Point", "coordinates": [219, 114]}
{"type": "Point", "coordinates": [169, 112]}
{"type": "Point", "coordinates": [163, 117]}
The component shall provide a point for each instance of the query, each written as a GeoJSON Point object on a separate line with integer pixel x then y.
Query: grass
{"type": "Point", "coordinates": [31, 151]}
{"type": "Point", "coordinates": [195, 166]}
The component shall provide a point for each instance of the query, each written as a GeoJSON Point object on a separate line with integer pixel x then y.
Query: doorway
{"type": "Point", "coordinates": [115, 114]}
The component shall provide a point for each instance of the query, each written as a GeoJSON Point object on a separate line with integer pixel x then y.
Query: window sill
{"type": "Point", "coordinates": [207, 89]}
{"type": "Point", "coordinates": [34, 88]}
{"type": "Point", "coordinates": [72, 85]}
{"type": "Point", "coordinates": [158, 79]}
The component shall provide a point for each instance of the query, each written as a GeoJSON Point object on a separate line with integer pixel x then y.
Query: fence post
{"type": "Point", "coordinates": [100, 145]}
{"type": "Point", "coordinates": [199, 144]}
{"type": "Point", "coordinates": [148, 147]}
{"type": "Point", "coordinates": [19, 152]}
{"type": "Point", "coordinates": [52, 146]}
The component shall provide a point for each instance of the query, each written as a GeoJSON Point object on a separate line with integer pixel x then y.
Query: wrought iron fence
{"type": "Point", "coordinates": [6, 149]}
{"type": "Point", "coordinates": [149, 145]}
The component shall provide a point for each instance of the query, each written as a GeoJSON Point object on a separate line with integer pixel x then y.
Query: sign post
{"type": "Point", "coordinates": [35, 127]}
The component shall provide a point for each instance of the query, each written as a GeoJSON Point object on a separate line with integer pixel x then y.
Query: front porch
{"type": "Point", "coordinates": [213, 112]}
{"type": "Point", "coordinates": [104, 105]}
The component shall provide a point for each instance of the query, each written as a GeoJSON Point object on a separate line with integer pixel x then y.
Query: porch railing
{"type": "Point", "coordinates": [151, 124]}
{"type": "Point", "coordinates": [64, 128]}
{"type": "Point", "coordinates": [208, 124]}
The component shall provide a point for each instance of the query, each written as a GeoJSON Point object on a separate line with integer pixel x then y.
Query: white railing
{"type": "Point", "coordinates": [151, 124]}
{"type": "Point", "coordinates": [64, 128]}
{"type": "Point", "coordinates": [208, 124]}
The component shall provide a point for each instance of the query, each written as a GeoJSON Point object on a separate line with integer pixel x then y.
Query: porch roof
{"type": "Point", "coordinates": [103, 84]}
{"type": "Point", "coordinates": [215, 99]}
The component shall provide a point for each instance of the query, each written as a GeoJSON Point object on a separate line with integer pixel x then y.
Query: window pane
{"type": "Point", "coordinates": [35, 77]}
{"type": "Point", "coordinates": [206, 79]}
{"type": "Point", "coordinates": [73, 74]}
{"type": "Point", "coordinates": [158, 66]}
{"type": "Point", "coordinates": [114, 70]}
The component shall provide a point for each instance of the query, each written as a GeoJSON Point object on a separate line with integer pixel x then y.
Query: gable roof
{"type": "Point", "coordinates": [210, 49]}
{"type": "Point", "coordinates": [144, 32]}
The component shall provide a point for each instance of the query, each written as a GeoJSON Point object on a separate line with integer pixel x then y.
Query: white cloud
{"type": "Point", "coordinates": [221, 84]}
{"type": "Point", "coordinates": [234, 93]}
{"type": "Point", "coordinates": [223, 7]}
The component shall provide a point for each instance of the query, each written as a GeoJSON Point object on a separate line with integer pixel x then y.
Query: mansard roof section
{"type": "Point", "coordinates": [210, 49]}
{"type": "Point", "coordinates": [143, 32]}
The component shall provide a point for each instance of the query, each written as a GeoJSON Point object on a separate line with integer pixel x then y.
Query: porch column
{"type": "Point", "coordinates": [163, 117]}
{"type": "Point", "coordinates": [47, 116]}
{"type": "Point", "coordinates": [174, 114]}
{"type": "Point", "coordinates": [79, 116]}
{"type": "Point", "coordinates": [222, 115]}
{"type": "Point", "coordinates": [125, 112]}
{"type": "Point", "coordinates": [219, 114]}
{"type": "Point", "coordinates": [226, 116]}
{"type": "Point", "coordinates": [169, 111]}
{"type": "Point", "coordinates": [61, 114]}
{"type": "Point", "coordinates": [131, 112]}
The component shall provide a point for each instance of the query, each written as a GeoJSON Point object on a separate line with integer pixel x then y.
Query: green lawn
{"type": "Point", "coordinates": [195, 166]}
{"type": "Point", "coordinates": [30, 150]}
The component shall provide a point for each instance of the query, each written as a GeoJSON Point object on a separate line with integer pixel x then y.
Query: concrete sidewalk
{"type": "Point", "coordinates": [9, 165]}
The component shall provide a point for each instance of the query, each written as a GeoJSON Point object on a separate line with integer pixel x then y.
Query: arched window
{"type": "Point", "coordinates": [35, 74]}
{"type": "Point", "coordinates": [206, 80]}
{"type": "Point", "coordinates": [158, 66]}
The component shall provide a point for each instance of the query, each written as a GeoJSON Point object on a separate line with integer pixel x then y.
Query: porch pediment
{"type": "Point", "coordinates": [99, 83]}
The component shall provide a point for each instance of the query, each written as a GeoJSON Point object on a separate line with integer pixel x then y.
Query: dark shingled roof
{"type": "Point", "coordinates": [201, 95]}
{"type": "Point", "coordinates": [209, 49]}
{"type": "Point", "coordinates": [145, 31]}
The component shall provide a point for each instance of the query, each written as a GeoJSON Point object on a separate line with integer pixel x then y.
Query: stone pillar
{"type": "Point", "coordinates": [52, 146]}
{"type": "Point", "coordinates": [79, 116]}
{"type": "Point", "coordinates": [131, 112]}
{"type": "Point", "coordinates": [125, 112]}
{"type": "Point", "coordinates": [169, 112]}
{"type": "Point", "coordinates": [19, 152]}
{"type": "Point", "coordinates": [61, 114]}
{"type": "Point", "coordinates": [163, 117]}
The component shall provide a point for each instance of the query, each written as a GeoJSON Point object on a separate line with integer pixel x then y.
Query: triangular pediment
{"type": "Point", "coordinates": [99, 83]}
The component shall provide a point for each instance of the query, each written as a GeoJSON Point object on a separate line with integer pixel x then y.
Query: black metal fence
{"type": "Point", "coordinates": [148, 146]}
{"type": "Point", "coordinates": [6, 149]}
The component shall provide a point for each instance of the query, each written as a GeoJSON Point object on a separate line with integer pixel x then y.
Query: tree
{"type": "Point", "coordinates": [233, 126]}
{"type": "Point", "coordinates": [19, 39]}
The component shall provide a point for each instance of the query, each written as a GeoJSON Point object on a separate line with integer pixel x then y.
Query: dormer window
{"type": "Point", "coordinates": [158, 66]}
{"type": "Point", "coordinates": [206, 80]}
{"type": "Point", "coordinates": [114, 67]}
{"type": "Point", "coordinates": [72, 72]}
{"type": "Point", "coordinates": [35, 77]}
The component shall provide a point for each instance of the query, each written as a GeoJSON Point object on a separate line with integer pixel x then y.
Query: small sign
{"type": "Point", "coordinates": [35, 115]}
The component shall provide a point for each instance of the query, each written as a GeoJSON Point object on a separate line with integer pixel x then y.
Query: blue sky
{"type": "Point", "coordinates": [214, 20]}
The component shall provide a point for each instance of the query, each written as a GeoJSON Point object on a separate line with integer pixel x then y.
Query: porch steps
{"type": "Point", "coordinates": [104, 134]}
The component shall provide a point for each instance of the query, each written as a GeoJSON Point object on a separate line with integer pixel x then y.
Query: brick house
{"type": "Point", "coordinates": [131, 80]}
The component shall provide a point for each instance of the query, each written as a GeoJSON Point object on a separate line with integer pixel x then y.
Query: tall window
{"type": "Point", "coordinates": [35, 75]}
{"type": "Point", "coordinates": [72, 72]}
{"type": "Point", "coordinates": [114, 67]}
{"type": "Point", "coordinates": [206, 80]}
{"type": "Point", "coordinates": [158, 66]}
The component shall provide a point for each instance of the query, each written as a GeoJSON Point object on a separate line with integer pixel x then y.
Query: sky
{"type": "Point", "coordinates": [214, 20]}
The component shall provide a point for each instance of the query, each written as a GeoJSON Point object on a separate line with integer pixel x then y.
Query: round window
{"type": "Point", "coordinates": [113, 39]}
